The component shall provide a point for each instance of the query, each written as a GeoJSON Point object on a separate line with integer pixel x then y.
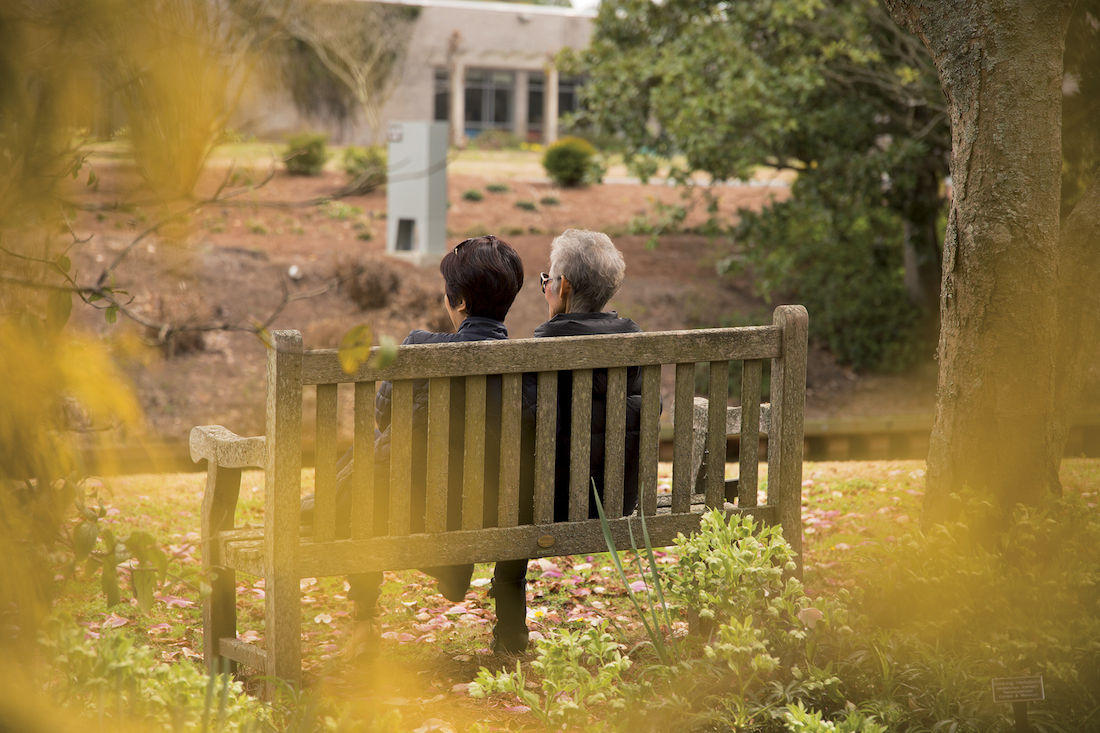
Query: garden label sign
{"type": "Point", "coordinates": [1019, 691]}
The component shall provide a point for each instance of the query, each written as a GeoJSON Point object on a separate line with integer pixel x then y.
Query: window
{"type": "Point", "coordinates": [490, 100]}
{"type": "Point", "coordinates": [442, 95]}
{"type": "Point", "coordinates": [536, 104]}
{"type": "Point", "coordinates": [536, 101]}
{"type": "Point", "coordinates": [567, 95]}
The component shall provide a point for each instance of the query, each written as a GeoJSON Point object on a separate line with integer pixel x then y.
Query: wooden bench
{"type": "Point", "coordinates": [281, 554]}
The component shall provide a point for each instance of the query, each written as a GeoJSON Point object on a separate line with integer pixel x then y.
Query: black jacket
{"type": "Point", "coordinates": [586, 324]}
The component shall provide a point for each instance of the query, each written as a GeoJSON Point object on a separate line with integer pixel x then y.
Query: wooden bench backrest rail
{"type": "Point", "coordinates": [286, 556]}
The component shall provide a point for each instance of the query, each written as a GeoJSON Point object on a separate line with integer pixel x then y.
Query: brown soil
{"type": "Point", "coordinates": [230, 262]}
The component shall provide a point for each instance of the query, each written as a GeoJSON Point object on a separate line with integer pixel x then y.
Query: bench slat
{"type": "Point", "coordinates": [683, 408]}
{"type": "Point", "coordinates": [250, 655]}
{"type": "Point", "coordinates": [362, 477]}
{"type": "Point", "coordinates": [717, 397]}
{"type": "Point", "coordinates": [423, 361]}
{"type": "Point", "coordinates": [749, 447]}
{"type": "Point", "coordinates": [649, 438]}
{"type": "Point", "coordinates": [615, 446]}
{"type": "Point", "coordinates": [439, 444]}
{"type": "Point", "coordinates": [473, 462]}
{"type": "Point", "coordinates": [510, 434]}
{"type": "Point", "coordinates": [580, 445]}
{"type": "Point", "coordinates": [324, 487]}
{"type": "Point", "coordinates": [400, 488]}
{"type": "Point", "coordinates": [495, 544]}
{"type": "Point", "coordinates": [545, 446]}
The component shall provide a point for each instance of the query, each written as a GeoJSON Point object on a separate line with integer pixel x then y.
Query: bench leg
{"type": "Point", "coordinates": [219, 610]}
{"type": "Point", "coordinates": [283, 626]}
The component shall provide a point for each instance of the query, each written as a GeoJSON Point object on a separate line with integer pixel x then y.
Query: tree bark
{"type": "Point", "coordinates": [1001, 419]}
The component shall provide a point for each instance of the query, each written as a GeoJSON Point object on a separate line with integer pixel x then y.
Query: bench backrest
{"type": "Point", "coordinates": [290, 369]}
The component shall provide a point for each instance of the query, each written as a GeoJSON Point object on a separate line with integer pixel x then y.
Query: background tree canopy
{"type": "Point", "coordinates": [835, 90]}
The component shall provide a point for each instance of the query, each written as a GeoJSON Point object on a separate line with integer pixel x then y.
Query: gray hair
{"type": "Point", "coordinates": [591, 263]}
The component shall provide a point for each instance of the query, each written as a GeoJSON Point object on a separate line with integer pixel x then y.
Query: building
{"type": "Point", "coordinates": [487, 65]}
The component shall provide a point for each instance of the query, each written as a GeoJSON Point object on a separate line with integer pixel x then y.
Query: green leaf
{"type": "Point", "coordinates": [355, 348]}
{"type": "Point", "coordinates": [111, 314]}
{"type": "Point", "coordinates": [204, 590]}
{"type": "Point", "coordinates": [160, 561]}
{"type": "Point", "coordinates": [385, 354]}
{"type": "Point", "coordinates": [63, 263]}
{"type": "Point", "coordinates": [58, 308]}
{"type": "Point", "coordinates": [92, 178]}
{"type": "Point", "coordinates": [84, 538]}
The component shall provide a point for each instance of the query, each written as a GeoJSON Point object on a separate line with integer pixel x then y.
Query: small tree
{"type": "Point", "coordinates": [360, 43]}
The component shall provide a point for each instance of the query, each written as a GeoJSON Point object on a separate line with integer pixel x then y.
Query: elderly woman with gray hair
{"type": "Point", "coordinates": [586, 270]}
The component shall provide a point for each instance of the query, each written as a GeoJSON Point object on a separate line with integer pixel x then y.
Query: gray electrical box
{"type": "Point", "coordinates": [416, 192]}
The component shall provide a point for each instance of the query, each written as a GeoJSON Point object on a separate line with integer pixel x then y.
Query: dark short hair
{"type": "Point", "coordinates": [485, 272]}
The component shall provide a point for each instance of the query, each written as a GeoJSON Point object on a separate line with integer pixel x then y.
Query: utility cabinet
{"type": "Point", "coordinates": [416, 191]}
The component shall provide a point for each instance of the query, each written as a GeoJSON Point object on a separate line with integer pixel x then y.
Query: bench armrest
{"type": "Point", "coordinates": [733, 417]}
{"type": "Point", "coordinates": [227, 449]}
{"type": "Point", "coordinates": [733, 427]}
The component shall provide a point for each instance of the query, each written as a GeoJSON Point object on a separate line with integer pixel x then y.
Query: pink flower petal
{"type": "Point", "coordinates": [113, 621]}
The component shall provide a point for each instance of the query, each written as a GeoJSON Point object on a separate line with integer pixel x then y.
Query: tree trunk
{"type": "Point", "coordinates": [1000, 427]}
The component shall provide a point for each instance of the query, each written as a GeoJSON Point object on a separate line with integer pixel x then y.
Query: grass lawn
{"type": "Point", "coordinates": [432, 648]}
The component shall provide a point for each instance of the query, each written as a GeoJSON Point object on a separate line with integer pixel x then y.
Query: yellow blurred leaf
{"type": "Point", "coordinates": [355, 348]}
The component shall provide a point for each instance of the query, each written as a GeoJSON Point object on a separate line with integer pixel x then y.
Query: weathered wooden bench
{"type": "Point", "coordinates": [281, 554]}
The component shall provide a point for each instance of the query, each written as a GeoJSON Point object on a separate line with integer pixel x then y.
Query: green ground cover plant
{"type": "Point", "coordinates": [839, 652]}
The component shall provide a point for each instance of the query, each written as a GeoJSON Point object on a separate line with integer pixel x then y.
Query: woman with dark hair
{"type": "Point", "coordinates": [586, 270]}
{"type": "Point", "coordinates": [481, 279]}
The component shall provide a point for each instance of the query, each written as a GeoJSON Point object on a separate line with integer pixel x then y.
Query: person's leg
{"type": "Point", "coordinates": [510, 634]}
{"type": "Point", "coordinates": [452, 580]}
{"type": "Point", "coordinates": [364, 589]}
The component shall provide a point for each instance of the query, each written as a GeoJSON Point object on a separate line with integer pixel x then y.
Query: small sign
{"type": "Point", "coordinates": [1018, 689]}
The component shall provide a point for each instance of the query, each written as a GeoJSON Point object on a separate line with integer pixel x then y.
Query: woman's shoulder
{"type": "Point", "coordinates": [472, 329]}
{"type": "Point", "coordinates": [586, 324]}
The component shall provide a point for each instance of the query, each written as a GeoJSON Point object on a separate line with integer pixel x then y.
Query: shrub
{"type": "Point", "coordinates": [370, 282]}
{"type": "Point", "coordinates": [549, 201]}
{"type": "Point", "coordinates": [472, 195]}
{"type": "Point", "coordinates": [305, 153]}
{"type": "Point", "coordinates": [497, 188]}
{"type": "Point", "coordinates": [526, 205]}
{"type": "Point", "coordinates": [839, 252]}
{"type": "Point", "coordinates": [570, 161]}
{"type": "Point", "coordinates": [365, 167]}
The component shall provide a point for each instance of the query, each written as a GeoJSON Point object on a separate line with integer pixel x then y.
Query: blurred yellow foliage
{"type": "Point", "coordinates": [59, 391]}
